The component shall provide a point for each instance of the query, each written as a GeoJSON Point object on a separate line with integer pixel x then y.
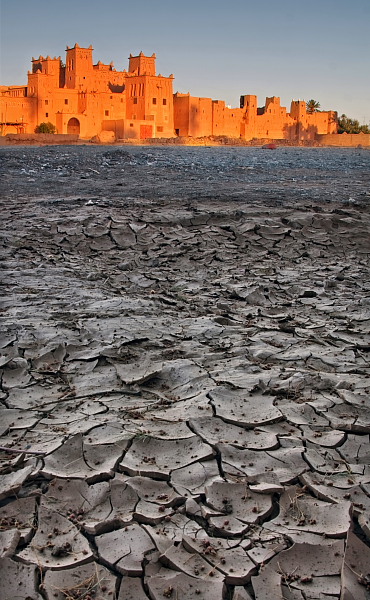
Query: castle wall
{"type": "Point", "coordinates": [203, 117]}
{"type": "Point", "coordinates": [273, 121]}
{"type": "Point", "coordinates": [40, 138]}
{"type": "Point", "coordinates": [199, 117]}
{"type": "Point", "coordinates": [181, 114]}
{"type": "Point", "coordinates": [86, 99]}
{"type": "Point", "coordinates": [193, 116]}
{"type": "Point", "coordinates": [346, 140]}
{"type": "Point", "coordinates": [90, 99]}
{"type": "Point", "coordinates": [232, 121]}
{"type": "Point", "coordinates": [218, 118]}
{"type": "Point", "coordinates": [16, 107]}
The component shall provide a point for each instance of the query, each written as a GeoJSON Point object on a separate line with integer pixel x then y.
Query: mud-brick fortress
{"type": "Point", "coordinates": [96, 100]}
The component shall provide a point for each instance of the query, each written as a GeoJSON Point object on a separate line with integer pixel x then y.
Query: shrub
{"type": "Point", "coordinates": [45, 128]}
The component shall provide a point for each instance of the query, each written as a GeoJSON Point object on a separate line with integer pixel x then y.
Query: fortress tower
{"type": "Point", "coordinates": [142, 65]}
{"type": "Point", "coordinates": [79, 66]}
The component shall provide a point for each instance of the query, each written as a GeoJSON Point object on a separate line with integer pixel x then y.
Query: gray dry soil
{"type": "Point", "coordinates": [185, 374]}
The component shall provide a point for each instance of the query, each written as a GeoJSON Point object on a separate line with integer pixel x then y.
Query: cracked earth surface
{"type": "Point", "coordinates": [185, 374]}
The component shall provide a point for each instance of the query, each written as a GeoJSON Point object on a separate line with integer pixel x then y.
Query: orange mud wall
{"type": "Point", "coordinates": [90, 100]}
{"type": "Point", "coordinates": [16, 110]}
{"type": "Point", "coordinates": [349, 140]}
{"type": "Point", "coordinates": [95, 100]}
{"type": "Point", "coordinates": [200, 117]}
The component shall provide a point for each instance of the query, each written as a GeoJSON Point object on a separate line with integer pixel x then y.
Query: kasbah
{"type": "Point", "coordinates": [94, 100]}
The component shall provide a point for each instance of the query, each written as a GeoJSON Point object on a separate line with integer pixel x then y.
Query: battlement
{"type": "Point", "coordinates": [142, 65]}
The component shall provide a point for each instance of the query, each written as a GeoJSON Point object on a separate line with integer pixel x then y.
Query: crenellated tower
{"type": "Point", "coordinates": [142, 65]}
{"type": "Point", "coordinates": [79, 66]}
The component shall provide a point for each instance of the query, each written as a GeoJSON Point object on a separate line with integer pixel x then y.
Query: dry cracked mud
{"type": "Point", "coordinates": [185, 374]}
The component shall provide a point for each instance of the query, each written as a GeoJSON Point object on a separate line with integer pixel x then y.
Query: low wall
{"type": "Point", "coordinates": [39, 138]}
{"type": "Point", "coordinates": [351, 140]}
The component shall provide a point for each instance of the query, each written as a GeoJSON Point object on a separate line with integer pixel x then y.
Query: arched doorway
{"type": "Point", "coordinates": [73, 126]}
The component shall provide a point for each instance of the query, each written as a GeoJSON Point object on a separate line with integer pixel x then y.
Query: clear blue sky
{"type": "Point", "coordinates": [296, 50]}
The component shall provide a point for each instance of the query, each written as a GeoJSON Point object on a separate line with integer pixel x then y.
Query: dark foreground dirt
{"type": "Point", "coordinates": [185, 371]}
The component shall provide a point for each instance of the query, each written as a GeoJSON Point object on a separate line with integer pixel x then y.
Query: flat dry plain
{"type": "Point", "coordinates": [185, 407]}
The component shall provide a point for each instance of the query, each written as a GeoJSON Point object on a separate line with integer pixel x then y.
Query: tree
{"type": "Point", "coordinates": [312, 106]}
{"type": "Point", "coordinates": [45, 128]}
{"type": "Point", "coordinates": [347, 125]}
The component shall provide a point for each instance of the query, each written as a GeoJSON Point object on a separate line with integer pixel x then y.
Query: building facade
{"type": "Point", "coordinates": [96, 100]}
{"type": "Point", "coordinates": [199, 117]}
{"type": "Point", "coordinates": [91, 99]}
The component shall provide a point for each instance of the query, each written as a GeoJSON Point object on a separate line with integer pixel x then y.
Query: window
{"type": "Point", "coordinates": [131, 124]}
{"type": "Point", "coordinates": [135, 100]}
{"type": "Point", "coordinates": [106, 112]}
{"type": "Point", "coordinates": [159, 128]}
{"type": "Point", "coordinates": [65, 100]}
{"type": "Point", "coordinates": [154, 100]}
{"type": "Point", "coordinates": [46, 102]}
{"type": "Point", "coordinates": [46, 114]}
{"type": "Point", "coordinates": [164, 101]}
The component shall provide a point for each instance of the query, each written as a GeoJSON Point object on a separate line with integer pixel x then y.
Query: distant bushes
{"type": "Point", "coordinates": [347, 125]}
{"type": "Point", "coordinates": [45, 128]}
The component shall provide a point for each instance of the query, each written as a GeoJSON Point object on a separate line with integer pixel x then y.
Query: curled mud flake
{"type": "Point", "coordinates": [237, 499]}
{"type": "Point", "coordinates": [304, 566]}
{"type": "Point", "coordinates": [150, 458]}
{"type": "Point", "coordinates": [299, 511]}
{"type": "Point", "coordinates": [124, 549]}
{"type": "Point", "coordinates": [77, 459]}
{"type": "Point", "coordinates": [207, 588]}
{"type": "Point", "coordinates": [355, 572]}
{"type": "Point", "coordinates": [230, 405]}
{"type": "Point", "coordinates": [91, 580]}
{"type": "Point", "coordinates": [214, 430]}
{"type": "Point", "coordinates": [18, 579]}
{"type": "Point", "coordinates": [9, 540]}
{"type": "Point", "coordinates": [12, 482]}
{"type": "Point", "coordinates": [66, 548]}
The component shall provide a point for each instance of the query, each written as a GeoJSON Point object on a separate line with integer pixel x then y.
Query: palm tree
{"type": "Point", "coordinates": [312, 106]}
